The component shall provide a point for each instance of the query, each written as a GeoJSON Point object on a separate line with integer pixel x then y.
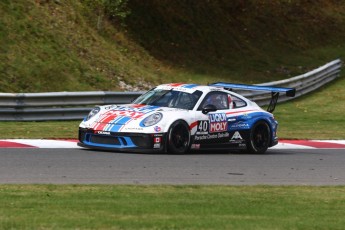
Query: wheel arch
{"type": "Point", "coordinates": [270, 125]}
{"type": "Point", "coordinates": [172, 120]}
{"type": "Point", "coordinates": [171, 126]}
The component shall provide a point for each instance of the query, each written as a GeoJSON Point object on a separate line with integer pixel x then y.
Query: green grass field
{"type": "Point", "coordinates": [171, 207]}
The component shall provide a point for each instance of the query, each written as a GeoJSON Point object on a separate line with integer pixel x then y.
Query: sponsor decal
{"type": "Point", "coordinates": [102, 132]}
{"type": "Point", "coordinates": [124, 113]}
{"type": "Point", "coordinates": [157, 139]}
{"type": "Point", "coordinates": [156, 145]}
{"type": "Point", "coordinates": [157, 129]}
{"type": "Point", "coordinates": [246, 116]}
{"type": "Point", "coordinates": [218, 122]}
{"type": "Point", "coordinates": [240, 125]}
{"type": "Point", "coordinates": [236, 138]}
{"type": "Point", "coordinates": [134, 128]}
{"type": "Point", "coordinates": [157, 142]}
{"type": "Point", "coordinates": [195, 146]}
{"type": "Point", "coordinates": [211, 136]}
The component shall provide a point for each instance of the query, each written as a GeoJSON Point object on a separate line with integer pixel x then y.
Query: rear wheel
{"type": "Point", "coordinates": [178, 138]}
{"type": "Point", "coordinates": [259, 139]}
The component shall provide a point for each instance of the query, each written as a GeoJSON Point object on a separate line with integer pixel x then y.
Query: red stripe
{"type": "Point", "coordinates": [315, 144]}
{"type": "Point", "coordinates": [242, 111]}
{"type": "Point", "coordinates": [137, 105]}
{"type": "Point", "coordinates": [175, 84]}
{"type": "Point", "coordinates": [9, 144]}
{"type": "Point", "coordinates": [193, 125]}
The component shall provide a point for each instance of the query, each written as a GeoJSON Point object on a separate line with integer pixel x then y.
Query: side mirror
{"type": "Point", "coordinates": [209, 108]}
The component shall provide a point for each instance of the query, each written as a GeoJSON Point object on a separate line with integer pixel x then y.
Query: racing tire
{"type": "Point", "coordinates": [259, 138]}
{"type": "Point", "coordinates": [178, 138]}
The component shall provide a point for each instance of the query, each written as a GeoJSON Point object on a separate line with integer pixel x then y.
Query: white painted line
{"type": "Point", "coordinates": [44, 143]}
{"type": "Point", "coordinates": [290, 146]}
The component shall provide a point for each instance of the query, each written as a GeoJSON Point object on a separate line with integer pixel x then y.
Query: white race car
{"type": "Point", "coordinates": [176, 118]}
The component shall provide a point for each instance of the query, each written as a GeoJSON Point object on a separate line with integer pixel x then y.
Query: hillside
{"type": "Point", "coordinates": [56, 46]}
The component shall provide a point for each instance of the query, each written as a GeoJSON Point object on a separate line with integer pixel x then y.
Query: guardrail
{"type": "Point", "coordinates": [303, 84]}
{"type": "Point", "coordinates": [76, 105]}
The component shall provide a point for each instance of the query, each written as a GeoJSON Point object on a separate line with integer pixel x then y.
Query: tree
{"type": "Point", "coordinates": [115, 9]}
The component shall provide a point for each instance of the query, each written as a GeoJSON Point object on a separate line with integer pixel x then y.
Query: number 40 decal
{"type": "Point", "coordinates": [203, 126]}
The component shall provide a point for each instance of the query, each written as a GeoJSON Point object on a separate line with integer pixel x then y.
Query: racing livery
{"type": "Point", "coordinates": [178, 117]}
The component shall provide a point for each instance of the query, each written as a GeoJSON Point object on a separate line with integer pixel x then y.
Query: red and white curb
{"type": "Point", "coordinates": [72, 143]}
{"type": "Point", "coordinates": [38, 143]}
{"type": "Point", "coordinates": [310, 144]}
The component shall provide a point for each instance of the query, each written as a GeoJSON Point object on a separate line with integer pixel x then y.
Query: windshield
{"type": "Point", "coordinates": [169, 98]}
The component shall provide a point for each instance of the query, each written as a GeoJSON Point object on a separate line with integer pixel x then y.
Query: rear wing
{"type": "Point", "coordinates": [290, 92]}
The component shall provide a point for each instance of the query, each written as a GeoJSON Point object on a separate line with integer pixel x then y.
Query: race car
{"type": "Point", "coordinates": [176, 118]}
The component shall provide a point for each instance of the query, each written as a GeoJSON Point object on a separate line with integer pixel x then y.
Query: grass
{"type": "Point", "coordinates": [40, 129]}
{"type": "Point", "coordinates": [171, 207]}
{"type": "Point", "coordinates": [319, 115]}
{"type": "Point", "coordinates": [50, 46]}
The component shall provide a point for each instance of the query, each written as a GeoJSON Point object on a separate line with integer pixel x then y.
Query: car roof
{"type": "Point", "coordinates": [189, 88]}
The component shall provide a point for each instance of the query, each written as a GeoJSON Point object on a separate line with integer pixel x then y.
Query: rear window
{"type": "Point", "coordinates": [238, 102]}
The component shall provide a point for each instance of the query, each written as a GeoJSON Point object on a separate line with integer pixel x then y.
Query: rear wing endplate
{"type": "Point", "coordinates": [290, 92]}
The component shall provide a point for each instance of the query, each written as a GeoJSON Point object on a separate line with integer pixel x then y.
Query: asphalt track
{"type": "Point", "coordinates": [81, 166]}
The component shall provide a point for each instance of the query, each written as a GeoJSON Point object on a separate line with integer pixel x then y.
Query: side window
{"type": "Point", "coordinates": [218, 99]}
{"type": "Point", "coordinates": [187, 100]}
{"type": "Point", "coordinates": [237, 102]}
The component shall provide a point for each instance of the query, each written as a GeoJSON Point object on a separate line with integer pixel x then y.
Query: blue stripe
{"type": "Point", "coordinates": [148, 107]}
{"type": "Point", "coordinates": [289, 91]}
{"type": "Point", "coordinates": [115, 128]}
{"type": "Point", "coordinates": [129, 144]}
{"type": "Point", "coordinates": [120, 120]}
{"type": "Point", "coordinates": [189, 86]}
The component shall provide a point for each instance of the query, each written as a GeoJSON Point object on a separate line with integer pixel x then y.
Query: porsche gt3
{"type": "Point", "coordinates": [176, 118]}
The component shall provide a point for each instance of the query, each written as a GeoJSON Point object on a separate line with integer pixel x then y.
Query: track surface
{"type": "Point", "coordinates": [80, 166]}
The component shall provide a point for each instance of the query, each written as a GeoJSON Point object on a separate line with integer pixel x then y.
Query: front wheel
{"type": "Point", "coordinates": [178, 138]}
{"type": "Point", "coordinates": [259, 138]}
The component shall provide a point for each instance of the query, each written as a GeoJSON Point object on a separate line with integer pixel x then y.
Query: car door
{"type": "Point", "coordinates": [212, 125]}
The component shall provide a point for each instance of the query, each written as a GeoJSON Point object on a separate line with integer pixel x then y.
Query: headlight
{"type": "Point", "coordinates": [93, 113]}
{"type": "Point", "coordinates": [151, 120]}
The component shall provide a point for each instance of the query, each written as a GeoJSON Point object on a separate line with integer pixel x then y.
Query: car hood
{"type": "Point", "coordinates": [123, 114]}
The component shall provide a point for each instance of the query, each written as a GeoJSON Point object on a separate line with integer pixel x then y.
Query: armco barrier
{"type": "Point", "coordinates": [76, 105]}
{"type": "Point", "coordinates": [304, 83]}
{"type": "Point", "coordinates": [58, 105]}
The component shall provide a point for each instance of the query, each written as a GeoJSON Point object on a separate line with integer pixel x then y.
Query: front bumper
{"type": "Point", "coordinates": [126, 142]}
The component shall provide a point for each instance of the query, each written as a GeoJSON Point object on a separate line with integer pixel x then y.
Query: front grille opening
{"type": "Point", "coordinates": [123, 140]}
{"type": "Point", "coordinates": [105, 140]}
{"type": "Point", "coordinates": [142, 141]}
